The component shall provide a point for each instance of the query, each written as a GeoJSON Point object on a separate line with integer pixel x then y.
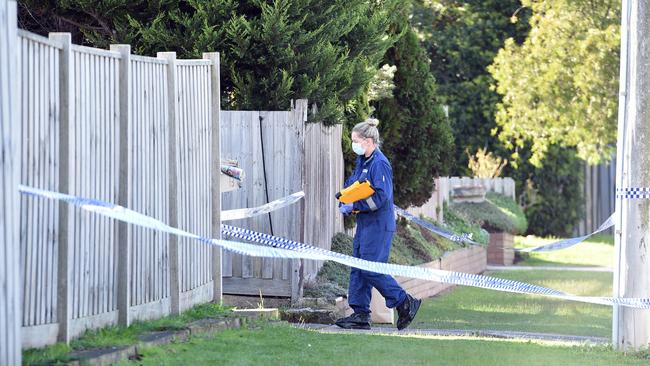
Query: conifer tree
{"type": "Point", "coordinates": [417, 137]}
{"type": "Point", "coordinates": [271, 51]}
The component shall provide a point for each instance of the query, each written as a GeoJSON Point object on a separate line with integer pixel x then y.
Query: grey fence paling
{"type": "Point", "coordinates": [10, 141]}
{"type": "Point", "coordinates": [323, 173]}
{"type": "Point", "coordinates": [138, 131]}
{"type": "Point", "coordinates": [598, 189]}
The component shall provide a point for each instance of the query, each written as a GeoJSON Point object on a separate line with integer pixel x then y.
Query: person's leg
{"type": "Point", "coordinates": [358, 296]}
{"type": "Point", "coordinates": [378, 249]}
{"type": "Point", "coordinates": [359, 292]}
{"type": "Point", "coordinates": [359, 289]}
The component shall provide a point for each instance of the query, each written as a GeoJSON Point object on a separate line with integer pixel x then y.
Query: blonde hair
{"type": "Point", "coordinates": [368, 129]}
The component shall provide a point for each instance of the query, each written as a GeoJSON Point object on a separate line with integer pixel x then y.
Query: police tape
{"type": "Point", "coordinates": [566, 243]}
{"type": "Point", "coordinates": [462, 238]}
{"type": "Point", "coordinates": [466, 238]}
{"type": "Point", "coordinates": [275, 247]}
{"type": "Point", "coordinates": [243, 213]}
{"type": "Point", "coordinates": [633, 192]}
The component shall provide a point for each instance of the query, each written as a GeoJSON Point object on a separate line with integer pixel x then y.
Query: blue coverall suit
{"type": "Point", "coordinates": [375, 230]}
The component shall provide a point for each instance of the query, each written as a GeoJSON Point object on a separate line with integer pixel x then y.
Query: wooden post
{"type": "Point", "coordinates": [10, 312]}
{"type": "Point", "coordinates": [64, 291]}
{"type": "Point", "coordinates": [301, 108]}
{"type": "Point", "coordinates": [631, 327]}
{"type": "Point", "coordinates": [124, 258]}
{"type": "Point", "coordinates": [174, 259]}
{"type": "Point", "coordinates": [215, 83]}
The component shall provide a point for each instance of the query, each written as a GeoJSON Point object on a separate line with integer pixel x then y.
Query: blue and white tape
{"type": "Point", "coordinates": [243, 213]}
{"type": "Point", "coordinates": [566, 243]}
{"type": "Point", "coordinates": [462, 238]}
{"type": "Point", "coordinates": [633, 192]}
{"type": "Point", "coordinates": [466, 238]}
{"type": "Point", "coordinates": [283, 248]}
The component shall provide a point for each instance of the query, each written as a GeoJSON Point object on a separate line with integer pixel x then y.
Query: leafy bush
{"type": "Point", "coordinates": [462, 38]}
{"type": "Point", "coordinates": [328, 290]}
{"type": "Point", "coordinates": [496, 213]}
{"type": "Point", "coordinates": [417, 135]}
{"type": "Point", "coordinates": [459, 226]}
{"type": "Point", "coordinates": [271, 51]}
{"type": "Point", "coordinates": [335, 272]}
{"type": "Point", "coordinates": [552, 193]}
{"type": "Point", "coordinates": [413, 245]}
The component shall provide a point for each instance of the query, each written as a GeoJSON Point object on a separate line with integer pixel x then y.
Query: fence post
{"type": "Point", "coordinates": [10, 311]}
{"type": "Point", "coordinates": [215, 191]}
{"type": "Point", "coordinates": [64, 293]}
{"type": "Point", "coordinates": [124, 258]}
{"type": "Point", "coordinates": [174, 262]}
{"type": "Point", "coordinates": [301, 108]}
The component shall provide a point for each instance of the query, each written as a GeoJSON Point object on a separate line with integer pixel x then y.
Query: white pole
{"type": "Point", "coordinates": [631, 327]}
{"type": "Point", "coordinates": [622, 121]}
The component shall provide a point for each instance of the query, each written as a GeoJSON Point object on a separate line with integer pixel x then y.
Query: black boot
{"type": "Point", "coordinates": [406, 311]}
{"type": "Point", "coordinates": [355, 321]}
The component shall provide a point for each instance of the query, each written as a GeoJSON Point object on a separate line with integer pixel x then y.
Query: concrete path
{"type": "Point", "coordinates": [549, 268]}
{"type": "Point", "coordinates": [459, 333]}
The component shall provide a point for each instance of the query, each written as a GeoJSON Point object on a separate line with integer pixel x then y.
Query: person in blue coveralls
{"type": "Point", "coordinates": [375, 229]}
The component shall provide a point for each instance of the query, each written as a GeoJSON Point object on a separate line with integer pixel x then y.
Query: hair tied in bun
{"type": "Point", "coordinates": [373, 122]}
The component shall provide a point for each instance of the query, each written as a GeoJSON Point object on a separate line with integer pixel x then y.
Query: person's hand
{"type": "Point", "coordinates": [346, 209]}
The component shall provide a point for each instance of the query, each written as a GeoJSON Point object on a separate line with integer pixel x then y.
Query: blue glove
{"type": "Point", "coordinates": [346, 209]}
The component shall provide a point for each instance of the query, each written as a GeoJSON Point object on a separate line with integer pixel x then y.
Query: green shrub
{"type": "Point", "coordinates": [271, 51]}
{"type": "Point", "coordinates": [417, 135]}
{"type": "Point", "coordinates": [552, 193]}
{"type": "Point", "coordinates": [328, 290]}
{"type": "Point", "coordinates": [334, 272]}
{"type": "Point", "coordinates": [413, 245]}
{"type": "Point", "coordinates": [496, 213]}
{"type": "Point", "coordinates": [456, 224]}
{"type": "Point", "coordinates": [509, 207]}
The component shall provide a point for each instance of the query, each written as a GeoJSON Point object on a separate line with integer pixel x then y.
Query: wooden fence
{"type": "Point", "coordinates": [10, 350]}
{"type": "Point", "coordinates": [323, 178]}
{"type": "Point", "coordinates": [445, 185]}
{"type": "Point", "coordinates": [139, 131]}
{"type": "Point", "coordinates": [281, 154]}
{"type": "Point", "coordinates": [598, 189]}
{"type": "Point", "coordinates": [269, 147]}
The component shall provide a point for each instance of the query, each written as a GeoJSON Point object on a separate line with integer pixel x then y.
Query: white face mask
{"type": "Point", "coordinates": [358, 149]}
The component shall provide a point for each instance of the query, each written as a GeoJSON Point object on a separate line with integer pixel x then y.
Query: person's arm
{"type": "Point", "coordinates": [381, 180]}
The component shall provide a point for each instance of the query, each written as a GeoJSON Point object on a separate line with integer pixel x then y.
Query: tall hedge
{"type": "Point", "coordinates": [462, 39]}
{"type": "Point", "coordinates": [271, 51]}
{"type": "Point", "coordinates": [416, 133]}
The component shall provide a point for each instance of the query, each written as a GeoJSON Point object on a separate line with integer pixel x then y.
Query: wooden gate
{"type": "Point", "coordinates": [269, 147]}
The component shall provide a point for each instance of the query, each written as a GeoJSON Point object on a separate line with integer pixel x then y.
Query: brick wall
{"type": "Point", "coordinates": [500, 250]}
{"type": "Point", "coordinates": [468, 260]}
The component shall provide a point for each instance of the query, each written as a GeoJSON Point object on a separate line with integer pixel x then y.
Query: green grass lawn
{"type": "Point", "coordinates": [284, 345]}
{"type": "Point", "coordinates": [596, 251]}
{"type": "Point", "coordinates": [120, 336]}
{"type": "Point", "coordinates": [476, 308]}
